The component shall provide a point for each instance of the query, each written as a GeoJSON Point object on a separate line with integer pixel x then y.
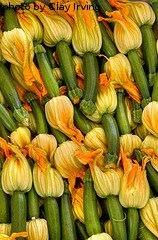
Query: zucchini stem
{"type": "Point", "coordinates": [132, 223]}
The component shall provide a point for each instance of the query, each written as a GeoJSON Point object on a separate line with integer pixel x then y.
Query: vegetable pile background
{"type": "Point", "coordinates": [78, 120]}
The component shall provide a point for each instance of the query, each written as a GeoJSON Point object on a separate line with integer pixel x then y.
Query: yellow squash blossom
{"type": "Point", "coordinates": [5, 228]}
{"type": "Point", "coordinates": [134, 190]}
{"type": "Point", "coordinates": [31, 25]}
{"type": "Point", "coordinates": [37, 229]}
{"type": "Point", "coordinates": [118, 70]}
{"type": "Point", "coordinates": [150, 142]}
{"type": "Point", "coordinates": [129, 142]}
{"type": "Point", "coordinates": [100, 236]}
{"type": "Point", "coordinates": [13, 236]}
{"type": "Point", "coordinates": [17, 48]}
{"type": "Point", "coordinates": [149, 215]}
{"type": "Point", "coordinates": [150, 117]}
{"type": "Point", "coordinates": [127, 35]}
{"type": "Point", "coordinates": [21, 137]}
{"type": "Point", "coordinates": [13, 2]}
{"type": "Point", "coordinates": [55, 27]}
{"type": "Point", "coordinates": [59, 114]}
{"type": "Point", "coordinates": [86, 31]}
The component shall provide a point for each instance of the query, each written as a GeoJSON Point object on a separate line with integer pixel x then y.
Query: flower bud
{"type": "Point", "coordinates": [86, 32]}
{"type": "Point", "coordinates": [95, 117]}
{"type": "Point", "coordinates": [48, 143]}
{"type": "Point", "coordinates": [78, 63]}
{"type": "Point", "coordinates": [5, 228]}
{"type": "Point", "coordinates": [21, 137]}
{"type": "Point", "coordinates": [150, 117]}
{"type": "Point", "coordinates": [47, 182]}
{"type": "Point", "coordinates": [141, 13]}
{"type": "Point", "coordinates": [37, 229]}
{"type": "Point", "coordinates": [55, 27]}
{"type": "Point", "coordinates": [135, 190]}
{"type": "Point", "coordinates": [141, 131]}
{"type": "Point", "coordinates": [149, 215]}
{"type": "Point", "coordinates": [32, 123]}
{"type": "Point", "coordinates": [31, 25]}
{"type": "Point", "coordinates": [106, 180]}
{"type": "Point", "coordinates": [100, 236]}
{"type": "Point", "coordinates": [106, 100]}
{"type": "Point", "coordinates": [95, 139]}
{"type": "Point", "coordinates": [15, 169]}
{"type": "Point", "coordinates": [129, 142]}
{"type": "Point", "coordinates": [65, 160]}
{"type": "Point", "coordinates": [57, 73]}
{"type": "Point", "coordinates": [60, 115]}
{"type": "Point", "coordinates": [128, 105]}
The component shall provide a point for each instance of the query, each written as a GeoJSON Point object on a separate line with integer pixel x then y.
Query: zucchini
{"type": "Point", "coordinates": [4, 133]}
{"type": "Point", "coordinates": [91, 79]}
{"type": "Point", "coordinates": [121, 114]}
{"type": "Point", "coordinates": [117, 217]}
{"type": "Point", "coordinates": [104, 6]}
{"type": "Point", "coordinates": [10, 20]}
{"type": "Point", "coordinates": [53, 218]}
{"type": "Point", "coordinates": [150, 52]}
{"type": "Point", "coordinates": [4, 201]}
{"type": "Point", "coordinates": [46, 72]}
{"type": "Point", "coordinates": [112, 136]}
{"type": "Point", "coordinates": [136, 112]}
{"type": "Point", "coordinates": [90, 208]}
{"type": "Point", "coordinates": [68, 70]}
{"type": "Point", "coordinates": [50, 57]}
{"type": "Point", "coordinates": [81, 231]}
{"type": "Point", "coordinates": [154, 4]}
{"type": "Point", "coordinates": [9, 92]}
{"type": "Point", "coordinates": [81, 122]}
{"type": "Point", "coordinates": [67, 219]}
{"type": "Point", "coordinates": [139, 76]}
{"type": "Point", "coordinates": [132, 223]}
{"type": "Point", "coordinates": [39, 115]}
{"type": "Point", "coordinates": [60, 137]}
{"type": "Point", "coordinates": [6, 119]}
{"type": "Point", "coordinates": [18, 212]}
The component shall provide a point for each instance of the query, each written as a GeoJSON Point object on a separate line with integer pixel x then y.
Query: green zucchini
{"type": "Point", "coordinates": [132, 223]}
{"type": "Point", "coordinates": [150, 52]}
{"type": "Point", "coordinates": [112, 136]}
{"type": "Point", "coordinates": [53, 218]}
{"type": "Point", "coordinates": [139, 76]}
{"type": "Point", "coordinates": [10, 20]}
{"type": "Point", "coordinates": [136, 112]}
{"type": "Point", "coordinates": [9, 92]}
{"type": "Point", "coordinates": [68, 70]}
{"type": "Point", "coordinates": [121, 114]}
{"type": "Point", "coordinates": [50, 57]}
{"type": "Point", "coordinates": [4, 201]}
{"type": "Point", "coordinates": [60, 137]}
{"type": "Point", "coordinates": [91, 79]}
{"type": "Point", "coordinates": [90, 208]}
{"type": "Point", "coordinates": [117, 218]}
{"type": "Point", "coordinates": [39, 115]}
{"type": "Point", "coordinates": [7, 120]}
{"type": "Point", "coordinates": [154, 4]}
{"type": "Point", "coordinates": [4, 132]}
{"type": "Point", "coordinates": [67, 219]}
{"type": "Point", "coordinates": [46, 72]}
{"type": "Point", "coordinates": [18, 212]}
{"type": "Point", "coordinates": [81, 230]}
{"type": "Point", "coordinates": [104, 6]}
{"type": "Point", "coordinates": [81, 122]}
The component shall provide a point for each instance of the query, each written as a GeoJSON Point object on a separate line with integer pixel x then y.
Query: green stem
{"type": "Point", "coordinates": [4, 133]}
{"type": "Point", "coordinates": [49, 53]}
{"type": "Point", "coordinates": [150, 52]}
{"type": "Point", "coordinates": [104, 6]}
{"type": "Point", "coordinates": [46, 72]}
{"type": "Point", "coordinates": [132, 223]}
{"type": "Point", "coordinates": [154, 4]}
{"type": "Point", "coordinates": [68, 70]}
{"type": "Point", "coordinates": [139, 76]}
{"type": "Point", "coordinates": [38, 113]}
{"type": "Point", "coordinates": [6, 119]}
{"type": "Point", "coordinates": [10, 20]}
{"type": "Point", "coordinates": [81, 231]}
{"type": "Point", "coordinates": [60, 137]}
{"type": "Point", "coordinates": [81, 121]}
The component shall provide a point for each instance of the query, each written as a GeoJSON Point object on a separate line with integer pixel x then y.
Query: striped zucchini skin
{"type": "Point", "coordinates": [81, 230]}
{"type": "Point", "coordinates": [132, 223]}
{"type": "Point", "coordinates": [18, 212]}
{"type": "Point", "coordinates": [67, 219]}
{"type": "Point", "coordinates": [91, 218]}
{"type": "Point", "coordinates": [53, 218]}
{"type": "Point", "coordinates": [81, 121]}
{"type": "Point", "coordinates": [33, 204]}
{"type": "Point", "coordinates": [6, 119]}
{"type": "Point", "coordinates": [144, 233]}
{"type": "Point", "coordinates": [117, 217]}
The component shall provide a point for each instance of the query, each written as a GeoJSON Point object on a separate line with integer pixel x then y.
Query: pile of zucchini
{"type": "Point", "coordinates": [78, 120]}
